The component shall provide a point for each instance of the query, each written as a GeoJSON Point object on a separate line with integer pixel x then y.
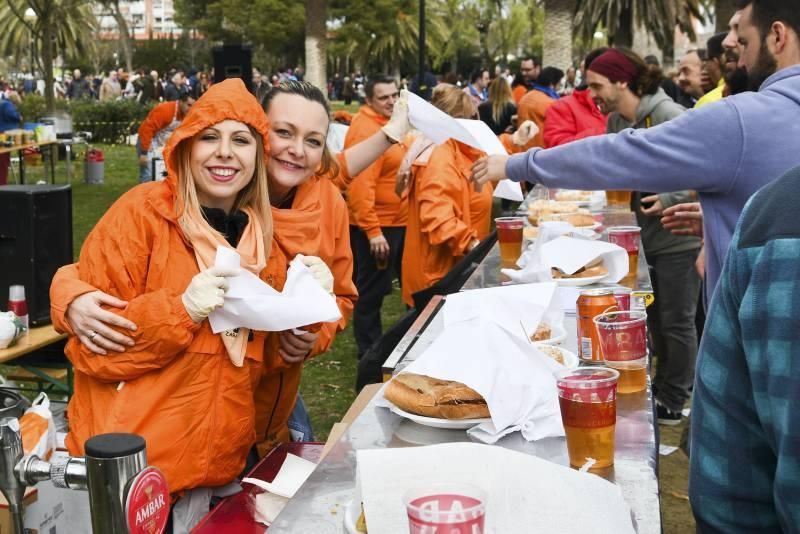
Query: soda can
{"type": "Point", "coordinates": [591, 303]}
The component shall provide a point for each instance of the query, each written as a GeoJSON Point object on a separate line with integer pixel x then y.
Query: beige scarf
{"type": "Point", "coordinates": [205, 241]}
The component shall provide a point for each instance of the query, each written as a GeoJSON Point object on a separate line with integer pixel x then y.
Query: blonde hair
{"type": "Point", "coordinates": [254, 195]}
{"type": "Point", "coordinates": [454, 102]}
{"type": "Point", "coordinates": [500, 96]}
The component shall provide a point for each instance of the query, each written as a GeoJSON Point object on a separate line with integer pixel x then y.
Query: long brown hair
{"type": "Point", "coordinates": [500, 96]}
{"type": "Point", "coordinates": [312, 93]}
{"type": "Point", "coordinates": [254, 195]}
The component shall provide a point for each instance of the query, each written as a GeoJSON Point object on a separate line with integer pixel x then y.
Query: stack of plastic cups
{"type": "Point", "coordinates": [623, 341]}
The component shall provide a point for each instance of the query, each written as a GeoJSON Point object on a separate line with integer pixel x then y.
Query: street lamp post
{"type": "Point", "coordinates": [421, 46]}
{"type": "Point", "coordinates": [30, 18]}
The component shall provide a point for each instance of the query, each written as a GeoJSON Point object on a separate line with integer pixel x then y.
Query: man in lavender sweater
{"type": "Point", "coordinates": [725, 151]}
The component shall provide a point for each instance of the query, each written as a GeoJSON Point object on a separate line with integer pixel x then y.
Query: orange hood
{"type": "Point", "coordinates": [227, 100]}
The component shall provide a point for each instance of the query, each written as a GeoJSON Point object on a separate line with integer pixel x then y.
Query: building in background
{"type": "Point", "coordinates": [145, 18]}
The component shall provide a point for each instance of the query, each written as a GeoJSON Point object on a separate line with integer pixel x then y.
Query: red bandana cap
{"type": "Point", "coordinates": [615, 66]}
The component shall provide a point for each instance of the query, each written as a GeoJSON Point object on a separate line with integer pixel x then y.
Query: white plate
{"type": "Point", "coordinates": [351, 513]}
{"type": "Point", "coordinates": [571, 360]}
{"type": "Point", "coordinates": [557, 335]}
{"type": "Point", "coordinates": [449, 424]}
{"type": "Point", "coordinates": [594, 226]}
{"type": "Point", "coordinates": [576, 282]}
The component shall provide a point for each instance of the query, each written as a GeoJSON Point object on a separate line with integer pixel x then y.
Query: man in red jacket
{"type": "Point", "coordinates": [575, 116]}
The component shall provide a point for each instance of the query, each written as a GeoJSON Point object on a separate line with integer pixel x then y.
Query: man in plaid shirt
{"type": "Point", "coordinates": [745, 457]}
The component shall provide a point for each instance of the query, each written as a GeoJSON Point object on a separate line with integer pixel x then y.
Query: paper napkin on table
{"type": "Point", "coordinates": [517, 381]}
{"type": "Point", "coordinates": [252, 303]}
{"type": "Point", "coordinates": [518, 308]}
{"type": "Point", "coordinates": [524, 493]}
{"type": "Point", "coordinates": [292, 475]}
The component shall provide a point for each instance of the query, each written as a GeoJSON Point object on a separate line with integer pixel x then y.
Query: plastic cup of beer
{"type": "Point", "coordinates": [588, 400]}
{"type": "Point", "coordinates": [623, 340]}
{"type": "Point", "coordinates": [454, 508]}
{"type": "Point", "coordinates": [509, 235]}
{"type": "Point", "coordinates": [619, 199]}
{"type": "Point", "coordinates": [627, 237]}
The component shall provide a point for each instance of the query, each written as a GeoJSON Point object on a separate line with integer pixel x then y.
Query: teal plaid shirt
{"type": "Point", "coordinates": [745, 456]}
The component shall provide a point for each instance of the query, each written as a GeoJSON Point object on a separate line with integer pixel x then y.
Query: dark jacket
{"type": "Point", "coordinates": [9, 116]}
{"type": "Point", "coordinates": [485, 113]}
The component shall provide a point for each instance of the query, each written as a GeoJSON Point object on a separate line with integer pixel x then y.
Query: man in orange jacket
{"type": "Point", "coordinates": [156, 129]}
{"type": "Point", "coordinates": [377, 215]}
{"type": "Point", "coordinates": [535, 104]}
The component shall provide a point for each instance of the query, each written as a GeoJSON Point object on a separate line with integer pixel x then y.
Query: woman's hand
{"type": "Point", "coordinates": [322, 274]}
{"type": "Point", "coordinates": [91, 323]}
{"type": "Point", "coordinates": [294, 348]}
{"type": "Point", "coordinates": [489, 169]}
{"type": "Point", "coordinates": [206, 292]}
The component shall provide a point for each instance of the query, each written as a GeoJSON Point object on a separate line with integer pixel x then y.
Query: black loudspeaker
{"type": "Point", "coordinates": [233, 61]}
{"type": "Point", "coordinates": [35, 240]}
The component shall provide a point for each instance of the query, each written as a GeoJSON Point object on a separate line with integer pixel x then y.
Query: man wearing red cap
{"type": "Point", "coordinates": [622, 86]}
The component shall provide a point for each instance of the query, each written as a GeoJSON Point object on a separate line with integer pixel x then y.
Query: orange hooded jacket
{"type": "Point", "coordinates": [445, 214]}
{"type": "Point", "coordinates": [316, 225]}
{"type": "Point", "coordinates": [371, 197]}
{"type": "Point", "coordinates": [533, 106]}
{"type": "Point", "coordinates": [176, 387]}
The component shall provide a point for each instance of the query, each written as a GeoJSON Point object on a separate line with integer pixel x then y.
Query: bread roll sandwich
{"type": "Point", "coordinates": [578, 219]}
{"type": "Point", "coordinates": [543, 333]}
{"type": "Point", "coordinates": [574, 196]}
{"type": "Point", "coordinates": [583, 272]}
{"type": "Point", "coordinates": [431, 397]}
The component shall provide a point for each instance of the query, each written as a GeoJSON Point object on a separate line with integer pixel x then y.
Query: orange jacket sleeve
{"type": "Point", "coordinates": [159, 118]}
{"type": "Point", "coordinates": [342, 179]}
{"type": "Point", "coordinates": [115, 259]}
{"type": "Point", "coordinates": [440, 189]}
{"type": "Point", "coordinates": [65, 287]}
{"type": "Point", "coordinates": [361, 193]}
{"type": "Point", "coordinates": [343, 286]}
{"type": "Point", "coordinates": [560, 127]}
{"type": "Point", "coordinates": [509, 145]}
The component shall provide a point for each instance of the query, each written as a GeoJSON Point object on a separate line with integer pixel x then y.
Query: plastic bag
{"type": "Point", "coordinates": [38, 429]}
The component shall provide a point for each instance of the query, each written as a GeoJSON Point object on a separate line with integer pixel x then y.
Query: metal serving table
{"type": "Point", "coordinates": [319, 505]}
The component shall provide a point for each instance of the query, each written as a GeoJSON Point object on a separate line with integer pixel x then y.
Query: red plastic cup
{"type": "Point", "coordinates": [452, 508]}
{"type": "Point", "coordinates": [623, 296]}
{"type": "Point", "coordinates": [627, 237]}
{"type": "Point", "coordinates": [509, 236]}
{"type": "Point", "coordinates": [622, 335]}
{"type": "Point", "coordinates": [587, 397]}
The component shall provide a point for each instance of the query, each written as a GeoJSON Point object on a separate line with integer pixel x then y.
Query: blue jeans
{"type": "Point", "coordinates": [145, 173]}
{"type": "Point", "coordinates": [299, 422]}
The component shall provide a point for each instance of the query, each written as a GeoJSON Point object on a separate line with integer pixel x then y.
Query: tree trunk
{"type": "Point", "coordinates": [723, 11]}
{"type": "Point", "coordinates": [624, 34]}
{"type": "Point", "coordinates": [558, 37]}
{"type": "Point", "coordinates": [47, 65]}
{"type": "Point", "coordinates": [315, 43]}
{"type": "Point", "coordinates": [124, 35]}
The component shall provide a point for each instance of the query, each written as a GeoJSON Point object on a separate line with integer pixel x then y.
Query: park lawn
{"type": "Point", "coordinates": [328, 382]}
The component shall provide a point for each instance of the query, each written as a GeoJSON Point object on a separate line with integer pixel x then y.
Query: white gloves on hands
{"type": "Point", "coordinates": [206, 291]}
{"type": "Point", "coordinates": [526, 131]}
{"type": "Point", "coordinates": [398, 126]}
{"type": "Point", "coordinates": [322, 274]}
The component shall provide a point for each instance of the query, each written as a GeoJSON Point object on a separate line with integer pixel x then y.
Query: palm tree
{"type": "Point", "coordinates": [558, 37]}
{"type": "Point", "coordinates": [619, 17]}
{"type": "Point", "coordinates": [66, 25]}
{"type": "Point", "coordinates": [315, 42]}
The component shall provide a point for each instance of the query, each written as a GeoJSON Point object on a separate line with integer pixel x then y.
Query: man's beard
{"type": "Point", "coordinates": [765, 66]}
{"type": "Point", "coordinates": [737, 81]}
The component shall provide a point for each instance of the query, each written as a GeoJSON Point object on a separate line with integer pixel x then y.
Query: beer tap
{"type": "Point", "coordinates": [125, 495]}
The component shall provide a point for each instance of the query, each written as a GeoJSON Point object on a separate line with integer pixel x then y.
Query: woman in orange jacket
{"type": "Point", "coordinates": [446, 216]}
{"type": "Point", "coordinates": [187, 391]}
{"type": "Point", "coordinates": [310, 217]}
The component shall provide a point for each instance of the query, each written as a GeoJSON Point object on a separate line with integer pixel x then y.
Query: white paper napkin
{"type": "Point", "coordinates": [517, 381]}
{"type": "Point", "coordinates": [519, 308]}
{"type": "Point", "coordinates": [292, 475]}
{"type": "Point", "coordinates": [252, 303]}
{"type": "Point", "coordinates": [524, 493]}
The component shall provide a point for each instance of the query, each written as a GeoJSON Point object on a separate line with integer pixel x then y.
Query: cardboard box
{"type": "Point", "coordinates": [6, 523]}
{"type": "Point", "coordinates": [58, 510]}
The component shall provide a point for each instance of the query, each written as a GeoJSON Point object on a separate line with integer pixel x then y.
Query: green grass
{"type": "Point", "coordinates": [328, 381]}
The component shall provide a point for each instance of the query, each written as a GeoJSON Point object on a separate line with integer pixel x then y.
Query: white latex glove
{"type": "Point", "coordinates": [322, 274]}
{"type": "Point", "coordinates": [398, 125]}
{"type": "Point", "coordinates": [206, 292]}
{"type": "Point", "coordinates": [526, 131]}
